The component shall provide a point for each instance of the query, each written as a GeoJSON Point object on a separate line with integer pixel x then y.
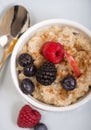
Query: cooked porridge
{"type": "Point", "coordinates": [78, 46]}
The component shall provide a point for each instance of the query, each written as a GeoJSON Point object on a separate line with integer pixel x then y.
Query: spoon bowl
{"type": "Point", "coordinates": [14, 22]}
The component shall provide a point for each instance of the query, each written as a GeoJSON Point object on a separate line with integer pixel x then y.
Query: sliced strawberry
{"type": "Point", "coordinates": [73, 64]}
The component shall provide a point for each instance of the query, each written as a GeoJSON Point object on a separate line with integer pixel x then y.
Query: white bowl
{"type": "Point", "coordinates": [23, 39]}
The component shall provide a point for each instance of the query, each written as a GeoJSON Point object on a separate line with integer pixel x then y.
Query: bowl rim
{"type": "Point", "coordinates": [23, 39]}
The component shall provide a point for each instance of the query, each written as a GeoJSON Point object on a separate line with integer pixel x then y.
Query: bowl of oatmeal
{"type": "Point", "coordinates": [51, 65]}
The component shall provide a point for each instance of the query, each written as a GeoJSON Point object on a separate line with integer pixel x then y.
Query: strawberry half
{"type": "Point", "coordinates": [28, 117]}
{"type": "Point", "coordinates": [73, 64]}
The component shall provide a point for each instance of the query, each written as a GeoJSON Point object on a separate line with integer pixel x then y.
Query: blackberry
{"type": "Point", "coordinates": [46, 74]}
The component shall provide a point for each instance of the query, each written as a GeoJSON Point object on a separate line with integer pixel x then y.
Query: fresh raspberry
{"type": "Point", "coordinates": [28, 117]}
{"type": "Point", "coordinates": [53, 51]}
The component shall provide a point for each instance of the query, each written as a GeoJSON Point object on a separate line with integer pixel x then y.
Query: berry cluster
{"type": "Point", "coordinates": [54, 53]}
{"type": "Point", "coordinates": [45, 74]}
{"type": "Point", "coordinates": [29, 69]}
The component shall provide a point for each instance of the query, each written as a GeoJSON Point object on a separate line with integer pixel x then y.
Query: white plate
{"type": "Point", "coordinates": [11, 102]}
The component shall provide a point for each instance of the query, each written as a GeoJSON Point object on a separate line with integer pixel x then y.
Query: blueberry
{"type": "Point", "coordinates": [29, 70]}
{"type": "Point", "coordinates": [27, 86]}
{"type": "Point", "coordinates": [40, 126]}
{"type": "Point", "coordinates": [69, 83]}
{"type": "Point", "coordinates": [25, 59]}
